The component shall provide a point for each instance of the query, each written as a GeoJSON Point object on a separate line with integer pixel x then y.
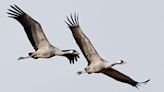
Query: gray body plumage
{"type": "Point", "coordinates": [95, 63]}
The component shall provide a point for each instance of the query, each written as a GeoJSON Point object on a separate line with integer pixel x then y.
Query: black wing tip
{"type": "Point", "coordinates": [137, 84]}
{"type": "Point", "coordinates": [15, 11]}
{"type": "Point", "coordinates": [72, 21]}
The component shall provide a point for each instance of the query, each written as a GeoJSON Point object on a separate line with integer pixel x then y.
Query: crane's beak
{"type": "Point", "coordinates": [121, 62]}
{"type": "Point", "coordinates": [77, 53]}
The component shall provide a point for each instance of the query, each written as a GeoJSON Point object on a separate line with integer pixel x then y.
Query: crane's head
{"type": "Point", "coordinates": [75, 52]}
{"type": "Point", "coordinates": [71, 51]}
{"type": "Point", "coordinates": [119, 62]}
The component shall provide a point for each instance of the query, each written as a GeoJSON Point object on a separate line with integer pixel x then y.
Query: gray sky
{"type": "Point", "coordinates": [132, 30]}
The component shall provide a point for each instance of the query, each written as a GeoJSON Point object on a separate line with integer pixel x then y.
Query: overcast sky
{"type": "Point", "coordinates": [131, 30]}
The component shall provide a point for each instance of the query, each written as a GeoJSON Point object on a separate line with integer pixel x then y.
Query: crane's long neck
{"type": "Point", "coordinates": [116, 63]}
{"type": "Point", "coordinates": [66, 52]}
{"type": "Point", "coordinates": [59, 52]}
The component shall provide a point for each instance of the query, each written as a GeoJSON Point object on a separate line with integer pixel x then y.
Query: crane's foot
{"type": "Point", "coordinates": [20, 58]}
{"type": "Point", "coordinates": [81, 72]}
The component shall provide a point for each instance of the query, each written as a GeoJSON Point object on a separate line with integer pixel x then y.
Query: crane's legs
{"type": "Point", "coordinates": [81, 72]}
{"type": "Point", "coordinates": [24, 57]}
{"type": "Point", "coordinates": [30, 55]}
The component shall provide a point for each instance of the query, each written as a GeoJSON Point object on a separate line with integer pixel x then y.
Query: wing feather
{"type": "Point", "coordinates": [32, 28]}
{"type": "Point", "coordinates": [121, 77]}
{"type": "Point", "coordinates": [83, 42]}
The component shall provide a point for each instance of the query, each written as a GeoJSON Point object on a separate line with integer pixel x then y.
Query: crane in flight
{"type": "Point", "coordinates": [35, 34]}
{"type": "Point", "coordinates": [96, 64]}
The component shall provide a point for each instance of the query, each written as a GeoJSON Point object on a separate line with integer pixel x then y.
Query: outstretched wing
{"type": "Point", "coordinates": [72, 57]}
{"type": "Point", "coordinates": [83, 42]}
{"type": "Point", "coordinates": [121, 77]}
{"type": "Point", "coordinates": [32, 28]}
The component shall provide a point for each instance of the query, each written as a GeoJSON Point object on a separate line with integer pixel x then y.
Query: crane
{"type": "Point", "coordinates": [35, 34]}
{"type": "Point", "coordinates": [96, 64]}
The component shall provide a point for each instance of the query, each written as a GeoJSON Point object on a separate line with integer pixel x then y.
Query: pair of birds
{"type": "Point", "coordinates": [43, 49]}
